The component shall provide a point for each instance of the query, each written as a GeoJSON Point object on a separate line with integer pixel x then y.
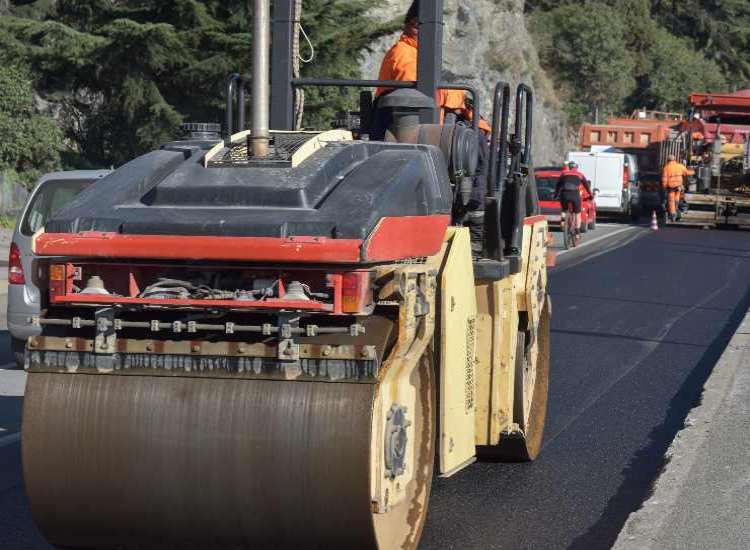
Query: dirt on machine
{"type": "Point", "coordinates": [275, 338]}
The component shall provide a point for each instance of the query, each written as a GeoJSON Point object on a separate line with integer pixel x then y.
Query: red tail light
{"type": "Point", "coordinates": [356, 291]}
{"type": "Point", "coordinates": [15, 269]}
{"type": "Point", "coordinates": [625, 178]}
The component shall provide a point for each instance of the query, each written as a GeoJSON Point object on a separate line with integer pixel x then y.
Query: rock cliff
{"type": "Point", "coordinates": [486, 41]}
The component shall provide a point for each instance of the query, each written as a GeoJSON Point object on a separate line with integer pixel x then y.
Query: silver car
{"type": "Point", "coordinates": [52, 192]}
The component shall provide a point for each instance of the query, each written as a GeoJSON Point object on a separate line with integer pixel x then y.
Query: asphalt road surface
{"type": "Point", "coordinates": [639, 320]}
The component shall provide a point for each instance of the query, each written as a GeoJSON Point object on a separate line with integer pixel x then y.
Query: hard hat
{"type": "Point", "coordinates": [572, 165]}
{"type": "Point", "coordinates": [671, 157]}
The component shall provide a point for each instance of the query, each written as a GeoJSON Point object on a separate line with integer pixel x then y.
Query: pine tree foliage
{"type": "Point", "coordinates": [126, 74]}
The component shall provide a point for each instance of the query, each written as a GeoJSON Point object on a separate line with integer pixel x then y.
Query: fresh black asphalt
{"type": "Point", "coordinates": [638, 323]}
{"type": "Point", "coordinates": [637, 327]}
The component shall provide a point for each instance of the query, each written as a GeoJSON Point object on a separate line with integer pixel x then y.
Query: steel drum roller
{"type": "Point", "coordinates": [124, 461]}
{"type": "Point", "coordinates": [115, 461]}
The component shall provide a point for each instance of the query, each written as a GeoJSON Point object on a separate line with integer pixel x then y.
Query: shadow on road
{"type": "Point", "coordinates": [649, 461]}
{"type": "Point", "coordinates": [10, 415]}
{"type": "Point", "coordinates": [6, 356]}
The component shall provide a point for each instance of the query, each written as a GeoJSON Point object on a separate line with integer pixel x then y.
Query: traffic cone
{"type": "Point", "coordinates": [654, 222]}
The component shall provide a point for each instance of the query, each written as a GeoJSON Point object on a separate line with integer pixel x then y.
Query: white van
{"type": "Point", "coordinates": [613, 174]}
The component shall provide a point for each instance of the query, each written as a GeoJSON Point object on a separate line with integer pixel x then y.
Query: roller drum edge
{"type": "Point", "coordinates": [149, 462]}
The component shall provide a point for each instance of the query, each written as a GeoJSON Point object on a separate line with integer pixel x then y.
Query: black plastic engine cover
{"type": "Point", "coordinates": [340, 191]}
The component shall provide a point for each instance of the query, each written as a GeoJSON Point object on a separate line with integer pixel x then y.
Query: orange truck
{"type": "Point", "coordinates": [713, 140]}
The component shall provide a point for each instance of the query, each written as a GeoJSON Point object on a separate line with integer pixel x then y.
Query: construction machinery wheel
{"type": "Point", "coordinates": [530, 395]}
{"type": "Point", "coordinates": [402, 527]}
{"type": "Point", "coordinates": [147, 462]}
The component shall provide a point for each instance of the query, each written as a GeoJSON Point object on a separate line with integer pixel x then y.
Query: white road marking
{"type": "Point", "coordinates": [588, 242]}
{"type": "Point", "coordinates": [8, 440]}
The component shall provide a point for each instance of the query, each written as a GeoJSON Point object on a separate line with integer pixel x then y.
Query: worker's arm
{"type": "Point", "coordinates": [558, 187]}
{"type": "Point", "coordinates": [587, 186]}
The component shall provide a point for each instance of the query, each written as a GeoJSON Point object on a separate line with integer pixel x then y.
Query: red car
{"type": "Point", "coordinates": [546, 180]}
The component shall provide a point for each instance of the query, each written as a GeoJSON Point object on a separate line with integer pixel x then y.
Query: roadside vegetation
{"type": "Point", "coordinates": [116, 79]}
{"type": "Point", "coordinates": [93, 83]}
{"type": "Point", "coordinates": [610, 57]}
{"type": "Point", "coordinates": [30, 143]}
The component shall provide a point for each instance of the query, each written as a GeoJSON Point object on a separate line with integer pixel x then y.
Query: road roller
{"type": "Point", "coordinates": [275, 338]}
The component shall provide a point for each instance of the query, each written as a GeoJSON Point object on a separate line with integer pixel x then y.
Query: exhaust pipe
{"type": "Point", "coordinates": [261, 68]}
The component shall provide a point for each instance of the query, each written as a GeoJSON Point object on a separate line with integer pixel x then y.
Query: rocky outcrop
{"type": "Point", "coordinates": [486, 41]}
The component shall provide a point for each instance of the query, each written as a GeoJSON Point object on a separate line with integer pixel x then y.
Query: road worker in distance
{"type": "Point", "coordinates": [673, 181]}
{"type": "Point", "coordinates": [568, 190]}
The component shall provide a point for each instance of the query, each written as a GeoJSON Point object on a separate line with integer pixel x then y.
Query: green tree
{"type": "Point", "coordinates": [30, 143]}
{"type": "Point", "coordinates": [677, 70]}
{"type": "Point", "coordinates": [718, 28]}
{"type": "Point", "coordinates": [586, 46]}
{"type": "Point", "coordinates": [127, 73]}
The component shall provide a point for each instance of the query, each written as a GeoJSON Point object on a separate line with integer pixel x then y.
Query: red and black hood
{"type": "Point", "coordinates": [347, 192]}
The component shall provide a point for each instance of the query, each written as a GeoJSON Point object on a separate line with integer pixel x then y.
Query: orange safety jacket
{"type": "Point", "coordinates": [673, 174]}
{"type": "Point", "coordinates": [400, 63]}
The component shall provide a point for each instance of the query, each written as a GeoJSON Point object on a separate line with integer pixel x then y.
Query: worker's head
{"type": "Point", "coordinates": [411, 21]}
{"type": "Point", "coordinates": [671, 158]}
{"type": "Point", "coordinates": [572, 166]}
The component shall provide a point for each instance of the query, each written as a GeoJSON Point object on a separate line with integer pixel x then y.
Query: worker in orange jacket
{"type": "Point", "coordinates": [672, 180]}
{"type": "Point", "coordinates": [400, 63]}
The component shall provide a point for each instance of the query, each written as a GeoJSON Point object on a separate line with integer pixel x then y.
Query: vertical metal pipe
{"type": "Point", "coordinates": [282, 93]}
{"type": "Point", "coordinates": [261, 68]}
{"type": "Point", "coordinates": [430, 53]}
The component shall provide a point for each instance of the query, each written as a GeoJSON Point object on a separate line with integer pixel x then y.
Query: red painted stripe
{"type": "Point", "coordinates": [234, 304]}
{"type": "Point", "coordinates": [393, 239]}
{"type": "Point", "coordinates": [184, 247]}
{"type": "Point", "coordinates": [531, 220]}
{"type": "Point", "coordinates": [406, 237]}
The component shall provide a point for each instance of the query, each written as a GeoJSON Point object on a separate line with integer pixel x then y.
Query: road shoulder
{"type": "Point", "coordinates": [702, 498]}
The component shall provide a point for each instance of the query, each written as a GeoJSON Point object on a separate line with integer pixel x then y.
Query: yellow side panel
{"type": "Point", "coordinates": [497, 323]}
{"type": "Point", "coordinates": [484, 352]}
{"type": "Point", "coordinates": [457, 356]}
{"type": "Point", "coordinates": [504, 372]}
{"type": "Point", "coordinates": [498, 307]}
